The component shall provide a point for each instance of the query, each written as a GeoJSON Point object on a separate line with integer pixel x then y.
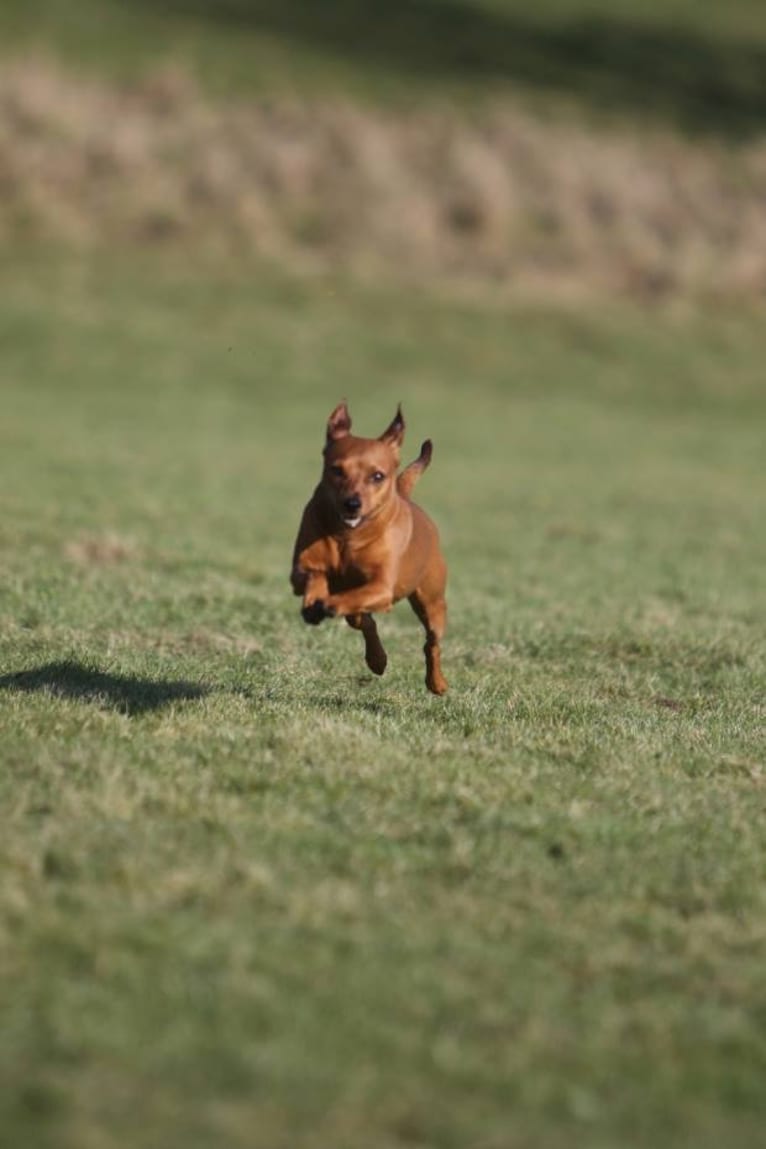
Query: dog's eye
{"type": "Point", "coordinates": [377, 476]}
{"type": "Point", "coordinates": [337, 471]}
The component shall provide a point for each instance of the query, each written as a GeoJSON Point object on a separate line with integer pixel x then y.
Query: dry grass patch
{"type": "Point", "coordinates": [497, 196]}
{"type": "Point", "coordinates": [95, 550]}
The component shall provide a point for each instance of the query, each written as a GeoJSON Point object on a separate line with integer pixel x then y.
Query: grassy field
{"type": "Point", "coordinates": [253, 897]}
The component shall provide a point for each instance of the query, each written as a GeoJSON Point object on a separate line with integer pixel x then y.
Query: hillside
{"type": "Point", "coordinates": [498, 196]}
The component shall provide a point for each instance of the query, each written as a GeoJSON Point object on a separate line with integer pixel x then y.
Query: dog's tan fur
{"type": "Point", "coordinates": [363, 544]}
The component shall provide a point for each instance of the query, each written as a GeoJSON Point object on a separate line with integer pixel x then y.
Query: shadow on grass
{"type": "Point", "coordinates": [126, 694]}
{"type": "Point", "coordinates": [693, 77]}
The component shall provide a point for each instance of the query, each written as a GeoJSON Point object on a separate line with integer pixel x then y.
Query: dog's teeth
{"type": "Point", "coordinates": [352, 522]}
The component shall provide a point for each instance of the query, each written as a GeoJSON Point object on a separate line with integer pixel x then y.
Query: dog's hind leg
{"type": "Point", "coordinates": [374, 654]}
{"type": "Point", "coordinates": [431, 609]}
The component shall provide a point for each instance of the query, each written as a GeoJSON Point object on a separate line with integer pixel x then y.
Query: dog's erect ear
{"type": "Point", "coordinates": [394, 433]}
{"type": "Point", "coordinates": [339, 423]}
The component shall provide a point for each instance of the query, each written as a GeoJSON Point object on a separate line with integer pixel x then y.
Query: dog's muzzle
{"type": "Point", "coordinates": [351, 507]}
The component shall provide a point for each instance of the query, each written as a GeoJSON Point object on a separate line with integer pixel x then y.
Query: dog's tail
{"type": "Point", "coordinates": [410, 475]}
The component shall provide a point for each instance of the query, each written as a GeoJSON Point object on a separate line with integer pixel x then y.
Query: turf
{"type": "Point", "coordinates": [252, 896]}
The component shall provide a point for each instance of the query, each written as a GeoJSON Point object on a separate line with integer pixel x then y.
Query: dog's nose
{"type": "Point", "coordinates": [352, 503]}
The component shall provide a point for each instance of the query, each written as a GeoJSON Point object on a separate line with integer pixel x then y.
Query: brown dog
{"type": "Point", "coordinates": [363, 545]}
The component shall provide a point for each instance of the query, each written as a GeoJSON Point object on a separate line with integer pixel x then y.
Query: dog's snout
{"type": "Point", "coordinates": [352, 503]}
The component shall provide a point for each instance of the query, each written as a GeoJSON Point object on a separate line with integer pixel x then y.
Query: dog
{"type": "Point", "coordinates": [363, 544]}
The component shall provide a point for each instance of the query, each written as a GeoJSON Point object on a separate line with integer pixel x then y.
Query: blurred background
{"type": "Point", "coordinates": [569, 147]}
{"type": "Point", "coordinates": [540, 227]}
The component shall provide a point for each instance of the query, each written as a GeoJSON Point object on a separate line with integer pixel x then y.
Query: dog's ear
{"type": "Point", "coordinates": [394, 433]}
{"type": "Point", "coordinates": [339, 423]}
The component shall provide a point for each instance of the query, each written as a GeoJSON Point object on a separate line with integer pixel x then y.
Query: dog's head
{"type": "Point", "coordinates": [360, 474]}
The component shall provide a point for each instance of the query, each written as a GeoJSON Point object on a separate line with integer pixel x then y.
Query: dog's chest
{"type": "Point", "coordinates": [347, 568]}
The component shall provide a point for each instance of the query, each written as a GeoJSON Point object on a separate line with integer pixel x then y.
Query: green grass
{"type": "Point", "coordinates": [251, 896]}
{"type": "Point", "coordinates": [696, 63]}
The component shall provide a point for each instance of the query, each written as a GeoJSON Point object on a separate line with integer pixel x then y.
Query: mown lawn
{"type": "Point", "coordinates": [250, 895]}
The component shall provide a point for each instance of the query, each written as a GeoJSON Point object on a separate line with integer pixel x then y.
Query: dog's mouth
{"type": "Point", "coordinates": [353, 522]}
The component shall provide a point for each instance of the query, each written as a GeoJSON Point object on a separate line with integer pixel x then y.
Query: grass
{"type": "Point", "coordinates": [698, 64]}
{"type": "Point", "coordinates": [253, 897]}
{"type": "Point", "coordinates": [504, 202]}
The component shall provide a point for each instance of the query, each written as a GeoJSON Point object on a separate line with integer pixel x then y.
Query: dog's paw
{"type": "Point", "coordinates": [316, 612]}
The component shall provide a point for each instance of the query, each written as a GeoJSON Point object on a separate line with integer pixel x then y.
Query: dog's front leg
{"type": "Point", "coordinates": [374, 596]}
{"type": "Point", "coordinates": [315, 595]}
